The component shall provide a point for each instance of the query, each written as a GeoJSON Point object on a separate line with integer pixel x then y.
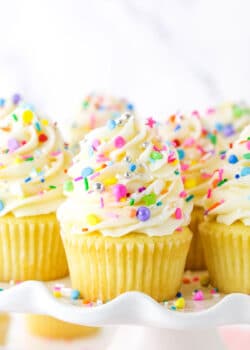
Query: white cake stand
{"type": "Point", "coordinates": [145, 323]}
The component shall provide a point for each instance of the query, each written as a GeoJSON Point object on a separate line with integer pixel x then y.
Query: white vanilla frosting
{"type": "Point", "coordinates": [124, 180]}
{"type": "Point", "coordinates": [228, 198]}
{"type": "Point", "coordinates": [33, 163]}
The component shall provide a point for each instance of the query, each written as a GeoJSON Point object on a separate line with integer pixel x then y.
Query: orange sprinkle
{"type": "Point", "coordinates": [132, 213]}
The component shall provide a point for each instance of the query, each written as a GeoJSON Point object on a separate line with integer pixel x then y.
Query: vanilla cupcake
{"type": "Point", "coordinates": [33, 164]}
{"type": "Point", "coordinates": [197, 150]}
{"type": "Point", "coordinates": [95, 111]}
{"type": "Point", "coordinates": [227, 120]}
{"type": "Point", "coordinates": [226, 233]}
{"type": "Point", "coordinates": [124, 224]}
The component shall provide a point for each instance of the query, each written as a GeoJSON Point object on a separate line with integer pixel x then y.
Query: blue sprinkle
{"type": "Point", "coordinates": [2, 102]}
{"type": "Point", "coordinates": [130, 106]}
{"type": "Point", "coordinates": [178, 127]}
{"type": "Point", "coordinates": [111, 124]}
{"type": "Point", "coordinates": [232, 159]}
{"type": "Point", "coordinates": [132, 167]}
{"type": "Point", "coordinates": [42, 179]}
{"type": "Point", "coordinates": [38, 126]}
{"type": "Point", "coordinates": [87, 171]}
{"type": "Point", "coordinates": [245, 171]}
{"type": "Point", "coordinates": [178, 295]}
{"type": "Point", "coordinates": [172, 307]}
{"type": "Point", "coordinates": [219, 126]}
{"type": "Point", "coordinates": [75, 294]}
{"type": "Point", "coordinates": [181, 153]}
{"type": "Point", "coordinates": [28, 179]}
{"type": "Point", "coordinates": [91, 151]}
{"type": "Point", "coordinates": [237, 176]}
{"type": "Point", "coordinates": [159, 203]}
{"type": "Point", "coordinates": [1, 205]}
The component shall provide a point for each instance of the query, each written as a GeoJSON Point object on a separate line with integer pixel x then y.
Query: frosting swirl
{"type": "Point", "coordinates": [124, 180]}
{"type": "Point", "coordinates": [9, 105]}
{"type": "Point", "coordinates": [95, 111]}
{"type": "Point", "coordinates": [228, 198]}
{"type": "Point", "coordinates": [197, 150]}
{"type": "Point", "coordinates": [32, 164]}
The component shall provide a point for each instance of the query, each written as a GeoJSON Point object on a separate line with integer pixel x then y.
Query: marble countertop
{"type": "Point", "coordinates": [165, 55]}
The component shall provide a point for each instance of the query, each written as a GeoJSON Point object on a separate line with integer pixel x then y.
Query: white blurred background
{"type": "Point", "coordinates": [162, 54]}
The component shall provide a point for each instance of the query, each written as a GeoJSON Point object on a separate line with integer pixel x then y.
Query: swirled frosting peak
{"type": "Point", "coordinates": [125, 180]}
{"type": "Point", "coordinates": [33, 163]}
{"type": "Point", "coordinates": [96, 110]}
{"type": "Point", "coordinates": [197, 150]}
{"type": "Point", "coordinates": [228, 197]}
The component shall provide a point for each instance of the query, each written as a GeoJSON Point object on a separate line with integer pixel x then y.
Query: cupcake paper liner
{"type": "Point", "coordinates": [4, 327]}
{"type": "Point", "coordinates": [31, 248]}
{"type": "Point", "coordinates": [50, 327]}
{"type": "Point", "coordinates": [195, 258]}
{"type": "Point", "coordinates": [227, 254]}
{"type": "Point", "coordinates": [104, 267]}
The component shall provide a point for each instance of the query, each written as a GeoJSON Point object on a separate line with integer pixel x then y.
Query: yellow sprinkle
{"type": "Point", "coordinates": [180, 303]}
{"type": "Point", "coordinates": [44, 122]}
{"type": "Point", "coordinates": [190, 183]}
{"type": "Point", "coordinates": [124, 199]}
{"type": "Point", "coordinates": [27, 116]}
{"type": "Point", "coordinates": [92, 219]}
{"type": "Point", "coordinates": [193, 162]}
{"type": "Point", "coordinates": [17, 160]}
{"type": "Point", "coordinates": [110, 181]}
{"type": "Point", "coordinates": [57, 293]}
{"type": "Point", "coordinates": [175, 162]}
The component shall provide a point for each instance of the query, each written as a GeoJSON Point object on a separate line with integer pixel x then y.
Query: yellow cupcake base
{"type": "Point", "coordinates": [49, 327]}
{"type": "Point", "coordinates": [105, 267]}
{"type": "Point", "coordinates": [4, 327]}
{"type": "Point", "coordinates": [195, 258]}
{"type": "Point", "coordinates": [31, 248]}
{"type": "Point", "coordinates": [227, 254]}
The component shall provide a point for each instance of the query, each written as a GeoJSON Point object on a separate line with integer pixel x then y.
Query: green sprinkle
{"type": "Point", "coordinates": [159, 203]}
{"type": "Point", "coordinates": [52, 187]}
{"type": "Point", "coordinates": [156, 155]}
{"type": "Point", "coordinates": [189, 198]}
{"type": "Point", "coordinates": [29, 159]}
{"type": "Point", "coordinates": [85, 104]}
{"type": "Point", "coordinates": [149, 199]}
{"type": "Point", "coordinates": [213, 139]}
{"type": "Point", "coordinates": [14, 116]}
{"type": "Point", "coordinates": [222, 182]}
{"type": "Point", "coordinates": [38, 126]}
{"type": "Point", "coordinates": [1, 289]}
{"type": "Point", "coordinates": [68, 186]}
{"type": "Point", "coordinates": [131, 201]}
{"type": "Point", "coordinates": [86, 184]}
{"type": "Point", "coordinates": [238, 111]}
{"type": "Point", "coordinates": [176, 172]}
{"type": "Point", "coordinates": [246, 155]}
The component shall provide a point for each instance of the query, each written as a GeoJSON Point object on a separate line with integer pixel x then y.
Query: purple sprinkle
{"type": "Point", "coordinates": [16, 99]}
{"type": "Point", "coordinates": [141, 189]}
{"type": "Point", "coordinates": [78, 178]}
{"type": "Point", "coordinates": [228, 130]}
{"type": "Point", "coordinates": [13, 144]}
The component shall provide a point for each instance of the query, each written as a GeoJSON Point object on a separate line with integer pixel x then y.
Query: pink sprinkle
{"type": "Point", "coordinates": [201, 149]}
{"type": "Point", "coordinates": [198, 296]}
{"type": "Point", "coordinates": [156, 148]}
{"type": "Point", "coordinates": [101, 158]}
{"type": "Point", "coordinates": [179, 229]}
{"type": "Point", "coordinates": [210, 111]}
{"type": "Point", "coordinates": [178, 213]}
{"type": "Point", "coordinates": [220, 174]}
{"type": "Point", "coordinates": [248, 144]}
{"type": "Point", "coordinates": [95, 144]}
{"type": "Point", "coordinates": [209, 193]}
{"type": "Point", "coordinates": [78, 178]}
{"type": "Point", "coordinates": [189, 142]}
{"type": "Point", "coordinates": [206, 175]}
{"type": "Point", "coordinates": [119, 191]}
{"type": "Point", "coordinates": [119, 142]}
{"type": "Point", "coordinates": [183, 194]}
{"type": "Point", "coordinates": [55, 153]}
{"type": "Point", "coordinates": [196, 113]}
{"type": "Point", "coordinates": [184, 166]}
{"type": "Point", "coordinates": [101, 202]}
{"type": "Point", "coordinates": [92, 177]}
{"type": "Point", "coordinates": [92, 121]}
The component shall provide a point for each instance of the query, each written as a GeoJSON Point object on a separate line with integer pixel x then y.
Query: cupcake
{"type": "Point", "coordinates": [226, 232]}
{"type": "Point", "coordinates": [227, 120]}
{"type": "Point", "coordinates": [33, 163]}
{"type": "Point", "coordinates": [49, 327]}
{"type": "Point", "coordinates": [96, 110]}
{"type": "Point", "coordinates": [124, 224]}
{"type": "Point", "coordinates": [198, 155]}
{"type": "Point", "coordinates": [4, 327]}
